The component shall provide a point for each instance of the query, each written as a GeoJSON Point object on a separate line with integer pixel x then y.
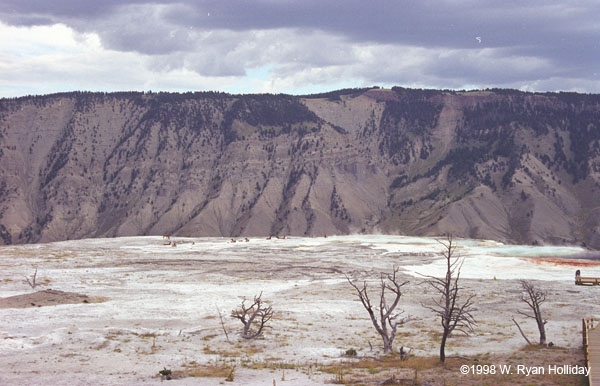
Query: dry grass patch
{"type": "Point", "coordinates": [393, 361]}
{"type": "Point", "coordinates": [429, 370]}
{"type": "Point", "coordinates": [196, 370]}
{"type": "Point", "coordinates": [258, 365]}
{"type": "Point", "coordinates": [251, 350]}
{"type": "Point", "coordinates": [224, 353]}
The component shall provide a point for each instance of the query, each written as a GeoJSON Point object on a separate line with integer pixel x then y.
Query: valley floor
{"type": "Point", "coordinates": [134, 306]}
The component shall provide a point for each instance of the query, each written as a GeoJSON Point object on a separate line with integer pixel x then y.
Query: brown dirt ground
{"type": "Point", "coordinates": [429, 371]}
{"type": "Point", "coordinates": [47, 297]}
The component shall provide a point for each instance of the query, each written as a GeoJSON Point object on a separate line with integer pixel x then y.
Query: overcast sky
{"type": "Point", "coordinates": [297, 46]}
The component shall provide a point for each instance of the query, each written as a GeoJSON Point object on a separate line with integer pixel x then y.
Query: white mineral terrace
{"type": "Point", "coordinates": [161, 303]}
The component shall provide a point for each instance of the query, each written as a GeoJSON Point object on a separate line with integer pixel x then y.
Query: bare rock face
{"type": "Point", "coordinates": [505, 165]}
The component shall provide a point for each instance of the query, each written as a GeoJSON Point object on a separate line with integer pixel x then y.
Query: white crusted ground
{"type": "Point", "coordinates": [161, 308]}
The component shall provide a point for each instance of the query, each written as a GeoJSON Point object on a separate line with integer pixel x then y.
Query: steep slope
{"type": "Point", "coordinates": [505, 165]}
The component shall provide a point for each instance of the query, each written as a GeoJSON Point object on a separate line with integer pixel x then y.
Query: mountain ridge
{"type": "Point", "coordinates": [499, 164]}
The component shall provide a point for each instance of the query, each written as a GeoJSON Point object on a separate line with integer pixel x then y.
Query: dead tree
{"type": "Point", "coordinates": [534, 298]}
{"type": "Point", "coordinates": [32, 283]}
{"type": "Point", "coordinates": [453, 314]}
{"type": "Point", "coordinates": [388, 320]}
{"type": "Point", "coordinates": [255, 314]}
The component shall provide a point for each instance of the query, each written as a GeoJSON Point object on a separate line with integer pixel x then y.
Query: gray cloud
{"type": "Point", "coordinates": [429, 42]}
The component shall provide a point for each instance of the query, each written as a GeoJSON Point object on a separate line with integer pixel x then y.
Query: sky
{"type": "Point", "coordinates": [297, 46]}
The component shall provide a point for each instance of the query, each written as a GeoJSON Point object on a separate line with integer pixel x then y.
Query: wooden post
{"type": "Point", "coordinates": [587, 325]}
{"type": "Point", "coordinates": [584, 334]}
{"type": "Point", "coordinates": [583, 331]}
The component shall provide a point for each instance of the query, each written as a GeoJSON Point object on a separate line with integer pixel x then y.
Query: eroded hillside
{"type": "Point", "coordinates": [504, 165]}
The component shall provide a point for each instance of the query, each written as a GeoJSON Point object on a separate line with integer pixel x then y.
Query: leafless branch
{"type": "Point", "coordinates": [521, 331]}
{"type": "Point", "coordinates": [223, 325]}
{"type": "Point", "coordinates": [32, 283]}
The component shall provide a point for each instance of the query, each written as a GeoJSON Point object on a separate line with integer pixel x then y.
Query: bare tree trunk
{"type": "Point", "coordinates": [542, 329]}
{"type": "Point", "coordinates": [387, 345]}
{"type": "Point", "coordinates": [443, 347]}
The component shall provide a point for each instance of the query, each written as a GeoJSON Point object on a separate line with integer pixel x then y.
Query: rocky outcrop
{"type": "Point", "coordinates": [498, 164]}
